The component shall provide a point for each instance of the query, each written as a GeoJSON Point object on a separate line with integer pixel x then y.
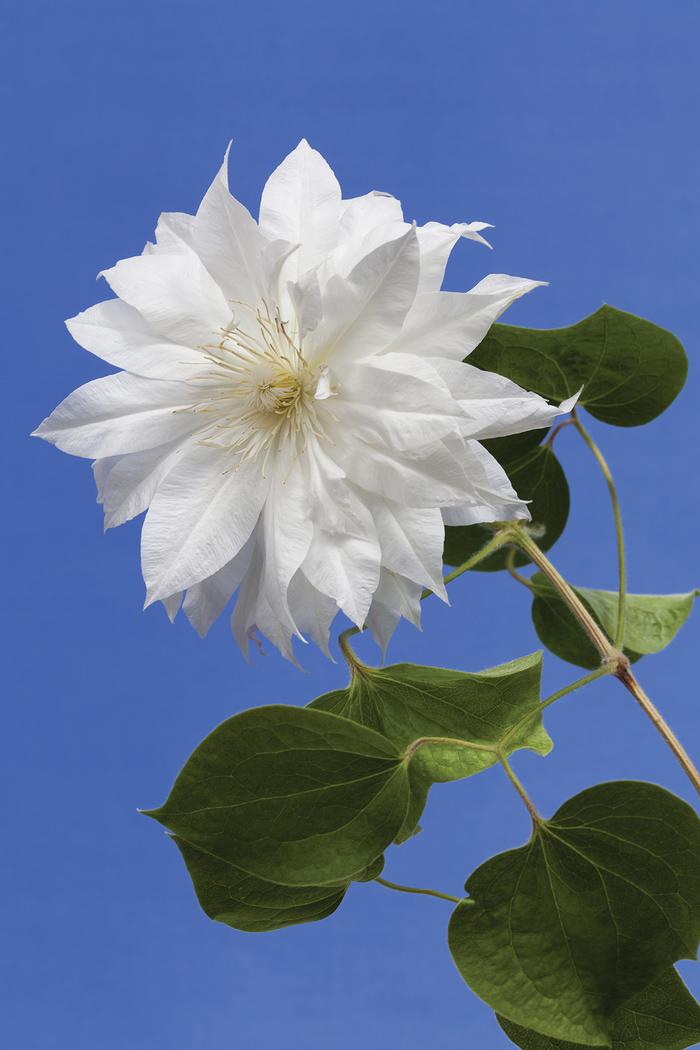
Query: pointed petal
{"type": "Point", "coordinates": [175, 294]}
{"type": "Point", "coordinates": [200, 518]}
{"type": "Point", "coordinates": [205, 601]}
{"type": "Point", "coordinates": [436, 242]}
{"type": "Point", "coordinates": [301, 204]}
{"type": "Point", "coordinates": [492, 496]}
{"type": "Point", "coordinates": [494, 406]}
{"type": "Point", "coordinates": [361, 215]}
{"type": "Point", "coordinates": [118, 334]}
{"type": "Point", "coordinates": [229, 243]}
{"type": "Point", "coordinates": [118, 414]}
{"type": "Point", "coordinates": [452, 324]}
{"type": "Point", "coordinates": [412, 542]}
{"type": "Point", "coordinates": [172, 605]}
{"type": "Point", "coordinates": [313, 612]}
{"type": "Point", "coordinates": [127, 484]}
{"type": "Point", "coordinates": [363, 313]}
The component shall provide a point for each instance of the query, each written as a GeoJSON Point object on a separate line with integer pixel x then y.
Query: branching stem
{"type": "Point", "coordinates": [612, 659]}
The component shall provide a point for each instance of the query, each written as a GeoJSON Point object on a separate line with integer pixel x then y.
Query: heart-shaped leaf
{"type": "Point", "coordinates": [406, 703]}
{"type": "Point", "coordinates": [630, 369]}
{"type": "Point", "coordinates": [292, 796]}
{"type": "Point", "coordinates": [559, 934]}
{"type": "Point", "coordinates": [662, 1017]}
{"type": "Point", "coordinates": [652, 621]}
{"type": "Point", "coordinates": [536, 475]}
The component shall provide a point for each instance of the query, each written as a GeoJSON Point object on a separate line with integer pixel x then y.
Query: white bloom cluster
{"type": "Point", "coordinates": [293, 410]}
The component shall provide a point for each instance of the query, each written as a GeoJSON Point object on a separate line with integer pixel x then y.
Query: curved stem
{"type": "Point", "coordinates": [617, 513]}
{"type": "Point", "coordinates": [570, 688]}
{"type": "Point", "coordinates": [628, 679]}
{"type": "Point", "coordinates": [517, 784]}
{"type": "Point", "coordinates": [510, 566]}
{"type": "Point", "coordinates": [447, 741]}
{"type": "Point", "coordinates": [611, 657]}
{"type": "Point", "coordinates": [526, 543]}
{"type": "Point", "coordinates": [416, 889]}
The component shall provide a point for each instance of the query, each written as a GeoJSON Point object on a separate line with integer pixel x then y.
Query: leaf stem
{"type": "Point", "coordinates": [447, 741]}
{"type": "Point", "coordinates": [617, 513]}
{"type": "Point", "coordinates": [522, 538]}
{"type": "Point", "coordinates": [510, 566]}
{"type": "Point", "coordinates": [599, 672]}
{"type": "Point", "coordinates": [416, 889]}
{"type": "Point", "coordinates": [494, 544]}
{"type": "Point", "coordinates": [517, 784]}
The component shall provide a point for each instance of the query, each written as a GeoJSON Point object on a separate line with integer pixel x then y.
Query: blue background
{"type": "Point", "coordinates": [573, 128]}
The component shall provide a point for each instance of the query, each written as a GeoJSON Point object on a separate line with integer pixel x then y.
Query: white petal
{"type": "Point", "coordinates": [363, 313]}
{"type": "Point", "coordinates": [452, 324]}
{"type": "Point", "coordinates": [174, 234]}
{"type": "Point", "coordinates": [172, 605]}
{"type": "Point", "coordinates": [361, 215]}
{"type": "Point", "coordinates": [200, 518]}
{"type": "Point", "coordinates": [344, 557]}
{"type": "Point", "coordinates": [252, 612]}
{"type": "Point", "coordinates": [229, 243]}
{"type": "Point", "coordinates": [394, 400]}
{"type": "Point", "coordinates": [205, 601]}
{"type": "Point", "coordinates": [492, 498]}
{"type": "Point", "coordinates": [118, 334]}
{"type": "Point", "coordinates": [127, 484]}
{"type": "Point", "coordinates": [395, 597]}
{"type": "Point", "coordinates": [494, 406]}
{"type": "Point", "coordinates": [118, 414]}
{"type": "Point", "coordinates": [412, 542]}
{"type": "Point", "coordinates": [436, 242]}
{"type": "Point", "coordinates": [313, 612]}
{"type": "Point", "coordinates": [301, 204]}
{"type": "Point", "coordinates": [175, 294]}
{"type": "Point", "coordinates": [433, 476]}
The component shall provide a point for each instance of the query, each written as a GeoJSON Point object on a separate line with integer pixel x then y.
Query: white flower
{"type": "Point", "coordinates": [293, 409]}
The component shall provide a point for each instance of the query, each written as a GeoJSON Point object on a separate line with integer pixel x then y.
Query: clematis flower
{"type": "Point", "coordinates": [293, 410]}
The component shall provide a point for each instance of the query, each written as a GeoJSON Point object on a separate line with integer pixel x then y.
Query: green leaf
{"type": "Point", "coordinates": [536, 475]}
{"type": "Point", "coordinates": [630, 369]}
{"type": "Point", "coordinates": [291, 796]}
{"type": "Point", "coordinates": [652, 621]}
{"type": "Point", "coordinates": [559, 934]}
{"type": "Point", "coordinates": [232, 896]}
{"type": "Point", "coordinates": [406, 703]}
{"type": "Point", "coordinates": [662, 1017]}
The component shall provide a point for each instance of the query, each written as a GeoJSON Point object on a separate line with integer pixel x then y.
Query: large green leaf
{"type": "Point", "coordinates": [232, 896]}
{"type": "Point", "coordinates": [406, 702]}
{"type": "Point", "coordinates": [652, 621]}
{"type": "Point", "coordinates": [559, 934]}
{"type": "Point", "coordinates": [291, 796]}
{"type": "Point", "coordinates": [662, 1017]}
{"type": "Point", "coordinates": [536, 475]}
{"type": "Point", "coordinates": [630, 369]}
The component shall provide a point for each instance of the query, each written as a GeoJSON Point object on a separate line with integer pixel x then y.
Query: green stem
{"type": "Point", "coordinates": [510, 566]}
{"type": "Point", "coordinates": [416, 889]}
{"type": "Point", "coordinates": [498, 541]}
{"type": "Point", "coordinates": [617, 513]}
{"type": "Point", "coordinates": [611, 657]}
{"type": "Point", "coordinates": [517, 784]}
{"type": "Point", "coordinates": [447, 741]}
{"type": "Point", "coordinates": [522, 538]}
{"type": "Point", "coordinates": [599, 672]}
{"type": "Point", "coordinates": [356, 665]}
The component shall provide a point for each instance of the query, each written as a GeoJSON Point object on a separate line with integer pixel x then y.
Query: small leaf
{"type": "Point", "coordinates": [559, 934]}
{"type": "Point", "coordinates": [406, 703]}
{"type": "Point", "coordinates": [662, 1017]}
{"type": "Point", "coordinates": [536, 475]}
{"type": "Point", "coordinates": [652, 621]}
{"type": "Point", "coordinates": [630, 369]}
{"type": "Point", "coordinates": [291, 796]}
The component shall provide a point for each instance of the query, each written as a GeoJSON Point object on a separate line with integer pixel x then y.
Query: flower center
{"type": "Point", "coordinates": [264, 392]}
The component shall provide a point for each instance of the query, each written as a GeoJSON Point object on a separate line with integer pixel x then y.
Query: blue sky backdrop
{"type": "Point", "coordinates": [573, 128]}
